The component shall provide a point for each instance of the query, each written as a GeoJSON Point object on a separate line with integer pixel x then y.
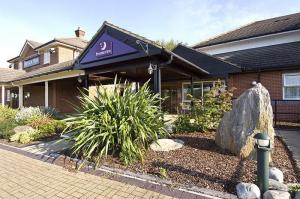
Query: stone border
{"type": "Point", "coordinates": [295, 162]}
{"type": "Point", "coordinates": [152, 183]}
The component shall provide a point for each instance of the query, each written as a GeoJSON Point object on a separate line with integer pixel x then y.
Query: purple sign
{"type": "Point", "coordinates": [104, 48]}
{"type": "Point", "coordinates": [107, 47]}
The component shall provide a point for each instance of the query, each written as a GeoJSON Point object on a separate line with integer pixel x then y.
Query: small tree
{"type": "Point", "coordinates": [170, 45]}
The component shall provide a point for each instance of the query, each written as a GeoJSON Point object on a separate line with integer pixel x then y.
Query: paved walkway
{"type": "Point", "coordinates": [24, 177]}
{"type": "Point", "coordinates": [292, 139]}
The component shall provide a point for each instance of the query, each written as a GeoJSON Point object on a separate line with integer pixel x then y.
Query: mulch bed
{"type": "Point", "coordinates": [202, 163]}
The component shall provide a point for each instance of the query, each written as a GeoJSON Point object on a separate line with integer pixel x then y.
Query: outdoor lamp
{"type": "Point", "coordinates": [263, 146]}
{"type": "Point", "coordinates": [151, 68]}
{"type": "Point", "coordinates": [79, 79]}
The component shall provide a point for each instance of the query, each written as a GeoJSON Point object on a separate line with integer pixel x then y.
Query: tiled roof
{"type": "Point", "coordinates": [8, 74]}
{"type": "Point", "coordinates": [73, 41]}
{"type": "Point", "coordinates": [255, 29]}
{"type": "Point", "coordinates": [270, 57]}
{"type": "Point", "coordinates": [215, 66]}
{"type": "Point", "coordinates": [68, 65]}
{"type": "Point", "coordinates": [34, 44]}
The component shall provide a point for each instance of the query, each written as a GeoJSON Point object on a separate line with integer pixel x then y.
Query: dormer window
{"type": "Point", "coordinates": [47, 57]}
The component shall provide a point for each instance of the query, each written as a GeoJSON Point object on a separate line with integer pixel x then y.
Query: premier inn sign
{"type": "Point", "coordinates": [106, 47]}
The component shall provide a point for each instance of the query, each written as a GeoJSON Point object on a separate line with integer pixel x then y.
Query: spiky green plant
{"type": "Point", "coordinates": [118, 123]}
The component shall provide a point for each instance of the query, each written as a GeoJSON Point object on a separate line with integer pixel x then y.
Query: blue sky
{"type": "Point", "coordinates": [188, 21]}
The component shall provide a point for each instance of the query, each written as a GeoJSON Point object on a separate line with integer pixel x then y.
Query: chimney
{"type": "Point", "coordinates": [79, 33]}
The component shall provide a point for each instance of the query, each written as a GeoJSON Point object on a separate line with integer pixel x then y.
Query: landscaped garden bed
{"type": "Point", "coordinates": [202, 163]}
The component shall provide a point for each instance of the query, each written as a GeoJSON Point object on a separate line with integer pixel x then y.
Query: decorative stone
{"type": "Point", "coordinates": [18, 131]}
{"type": "Point", "coordinates": [272, 194]}
{"type": "Point", "coordinates": [247, 190]}
{"type": "Point", "coordinates": [251, 114]}
{"type": "Point", "coordinates": [275, 174]}
{"type": "Point", "coordinates": [276, 185]}
{"type": "Point", "coordinates": [166, 144]}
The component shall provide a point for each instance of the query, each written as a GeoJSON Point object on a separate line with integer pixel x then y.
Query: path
{"type": "Point", "coordinates": [292, 139]}
{"type": "Point", "coordinates": [24, 177]}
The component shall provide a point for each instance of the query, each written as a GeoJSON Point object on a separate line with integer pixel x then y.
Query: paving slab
{"type": "Point", "coordinates": [47, 148]}
{"type": "Point", "coordinates": [24, 177]}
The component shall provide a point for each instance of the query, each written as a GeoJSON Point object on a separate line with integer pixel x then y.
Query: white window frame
{"type": "Point", "coordinates": [189, 83]}
{"type": "Point", "coordinates": [283, 85]}
{"type": "Point", "coordinates": [47, 56]}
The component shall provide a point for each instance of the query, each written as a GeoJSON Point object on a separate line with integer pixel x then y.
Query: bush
{"type": "Point", "coordinates": [6, 128]}
{"type": "Point", "coordinates": [25, 138]}
{"type": "Point", "coordinates": [7, 113]}
{"type": "Point", "coordinates": [121, 124]}
{"type": "Point", "coordinates": [25, 114]}
{"type": "Point", "coordinates": [208, 112]}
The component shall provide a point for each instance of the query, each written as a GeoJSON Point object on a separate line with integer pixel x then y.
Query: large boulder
{"type": "Point", "coordinates": [272, 194]}
{"type": "Point", "coordinates": [275, 185]}
{"type": "Point", "coordinates": [275, 174]}
{"type": "Point", "coordinates": [166, 144]}
{"type": "Point", "coordinates": [251, 114]}
{"type": "Point", "coordinates": [247, 190]}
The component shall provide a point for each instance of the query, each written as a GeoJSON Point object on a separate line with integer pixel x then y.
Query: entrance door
{"type": "Point", "coordinates": [170, 100]}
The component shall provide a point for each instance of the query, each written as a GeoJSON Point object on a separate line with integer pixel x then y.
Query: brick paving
{"type": "Point", "coordinates": [24, 177]}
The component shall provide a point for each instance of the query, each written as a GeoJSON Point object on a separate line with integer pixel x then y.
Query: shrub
{"type": "Point", "coordinates": [51, 112]}
{"type": "Point", "coordinates": [207, 112]}
{"type": "Point", "coordinates": [121, 124]}
{"type": "Point", "coordinates": [7, 113]}
{"type": "Point", "coordinates": [6, 128]}
{"type": "Point", "coordinates": [37, 121]}
{"type": "Point", "coordinates": [25, 138]}
{"type": "Point", "coordinates": [24, 114]}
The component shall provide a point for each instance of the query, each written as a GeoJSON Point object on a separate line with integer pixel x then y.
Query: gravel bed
{"type": "Point", "coordinates": [202, 163]}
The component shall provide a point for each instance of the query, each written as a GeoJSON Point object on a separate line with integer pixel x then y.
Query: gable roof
{"type": "Point", "coordinates": [255, 29]}
{"type": "Point", "coordinates": [213, 65]}
{"type": "Point", "coordinates": [278, 56]}
{"type": "Point", "coordinates": [8, 74]}
{"type": "Point", "coordinates": [72, 41]}
{"type": "Point", "coordinates": [31, 43]}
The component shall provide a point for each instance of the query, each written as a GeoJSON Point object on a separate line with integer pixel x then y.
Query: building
{"type": "Point", "coordinates": [50, 74]}
{"type": "Point", "coordinates": [267, 51]}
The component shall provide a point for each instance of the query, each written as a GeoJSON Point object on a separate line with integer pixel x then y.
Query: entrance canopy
{"type": "Point", "coordinates": [114, 50]}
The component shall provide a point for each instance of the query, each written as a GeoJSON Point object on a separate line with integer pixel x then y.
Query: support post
{"type": "Point", "coordinates": [86, 82]}
{"type": "Point", "coordinates": [20, 96]}
{"type": "Point", "coordinates": [3, 95]}
{"type": "Point", "coordinates": [192, 93]}
{"type": "Point", "coordinates": [157, 81]}
{"type": "Point", "coordinates": [46, 94]}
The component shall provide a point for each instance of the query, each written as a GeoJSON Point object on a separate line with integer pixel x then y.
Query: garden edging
{"type": "Point", "coordinates": [141, 180]}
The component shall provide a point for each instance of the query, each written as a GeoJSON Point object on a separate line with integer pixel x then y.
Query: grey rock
{"type": "Point", "coordinates": [251, 114]}
{"type": "Point", "coordinates": [166, 144]}
{"type": "Point", "coordinates": [275, 174]}
{"type": "Point", "coordinates": [272, 194]}
{"type": "Point", "coordinates": [276, 185]}
{"type": "Point", "coordinates": [247, 191]}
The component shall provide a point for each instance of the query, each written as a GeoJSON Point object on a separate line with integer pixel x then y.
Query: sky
{"type": "Point", "coordinates": [188, 21]}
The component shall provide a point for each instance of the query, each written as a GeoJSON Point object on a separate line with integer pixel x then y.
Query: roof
{"type": "Point", "coordinates": [34, 44]}
{"type": "Point", "coordinates": [68, 65]}
{"type": "Point", "coordinates": [72, 41]}
{"type": "Point", "coordinates": [255, 29]}
{"type": "Point", "coordinates": [212, 65]}
{"type": "Point", "coordinates": [8, 74]}
{"type": "Point", "coordinates": [269, 57]}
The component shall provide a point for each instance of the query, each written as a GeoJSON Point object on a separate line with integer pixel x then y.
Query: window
{"type": "Point", "coordinates": [31, 62]}
{"type": "Point", "coordinates": [200, 88]}
{"type": "Point", "coordinates": [46, 57]}
{"type": "Point", "coordinates": [291, 86]}
{"type": "Point", "coordinates": [20, 65]}
{"type": "Point", "coordinates": [8, 95]}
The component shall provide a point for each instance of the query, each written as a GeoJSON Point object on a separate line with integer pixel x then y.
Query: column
{"type": "Point", "coordinates": [20, 96]}
{"type": "Point", "coordinates": [192, 92]}
{"type": "Point", "coordinates": [3, 95]}
{"type": "Point", "coordinates": [46, 93]}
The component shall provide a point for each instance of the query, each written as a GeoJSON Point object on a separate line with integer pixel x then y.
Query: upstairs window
{"type": "Point", "coordinates": [46, 57]}
{"type": "Point", "coordinates": [291, 86]}
{"type": "Point", "coordinates": [31, 62]}
{"type": "Point", "coordinates": [76, 54]}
